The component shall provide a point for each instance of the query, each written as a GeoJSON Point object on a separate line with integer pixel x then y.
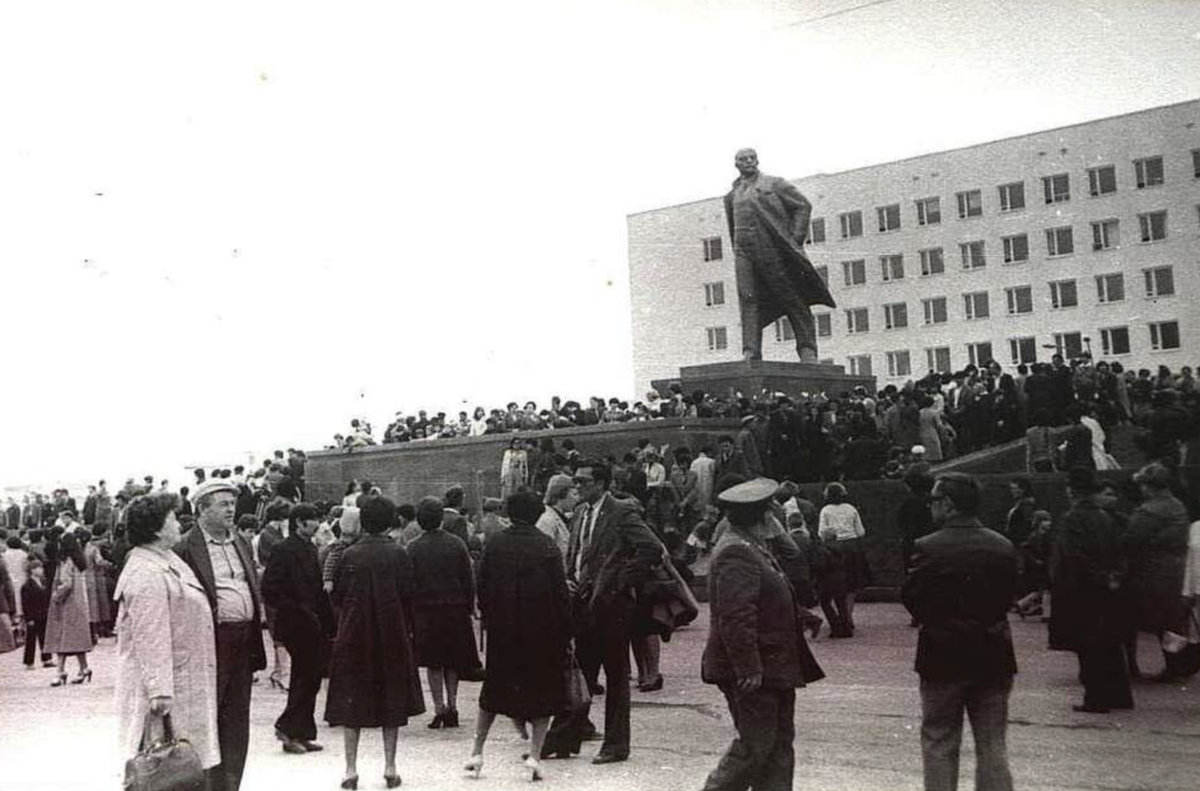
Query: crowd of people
{"type": "Point", "coordinates": [583, 560]}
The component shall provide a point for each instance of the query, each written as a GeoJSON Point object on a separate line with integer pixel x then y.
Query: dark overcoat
{"type": "Point", "coordinates": [960, 584]}
{"type": "Point", "coordinates": [373, 681]}
{"type": "Point", "coordinates": [1157, 543]}
{"type": "Point", "coordinates": [1088, 572]}
{"type": "Point", "coordinates": [292, 585]}
{"type": "Point", "coordinates": [524, 599]}
{"type": "Point", "coordinates": [753, 626]}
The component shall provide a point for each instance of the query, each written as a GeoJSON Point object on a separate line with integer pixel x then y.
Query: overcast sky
{"type": "Point", "coordinates": [230, 227]}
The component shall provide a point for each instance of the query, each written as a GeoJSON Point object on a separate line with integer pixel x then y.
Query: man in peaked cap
{"type": "Point", "coordinates": [223, 562]}
{"type": "Point", "coordinates": [756, 653]}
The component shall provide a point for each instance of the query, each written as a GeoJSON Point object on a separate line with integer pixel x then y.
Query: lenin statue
{"type": "Point", "coordinates": [768, 220]}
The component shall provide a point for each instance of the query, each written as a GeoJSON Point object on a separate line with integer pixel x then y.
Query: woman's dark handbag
{"type": "Point", "coordinates": [168, 765]}
{"type": "Point", "coordinates": [578, 696]}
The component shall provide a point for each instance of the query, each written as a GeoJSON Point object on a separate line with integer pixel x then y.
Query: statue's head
{"type": "Point", "coordinates": [746, 161]}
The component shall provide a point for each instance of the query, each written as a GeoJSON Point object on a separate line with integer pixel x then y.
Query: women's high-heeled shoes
{"type": "Point", "coordinates": [350, 783]}
{"type": "Point", "coordinates": [85, 676]}
{"type": "Point", "coordinates": [535, 769]}
{"type": "Point", "coordinates": [392, 781]}
{"type": "Point", "coordinates": [474, 766]}
{"type": "Point", "coordinates": [61, 681]}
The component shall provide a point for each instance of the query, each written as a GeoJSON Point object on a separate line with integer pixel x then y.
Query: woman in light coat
{"type": "Point", "coordinates": [166, 654]}
{"type": "Point", "coordinates": [68, 623]}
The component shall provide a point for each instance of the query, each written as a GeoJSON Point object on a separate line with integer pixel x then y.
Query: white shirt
{"type": "Point", "coordinates": [840, 522]}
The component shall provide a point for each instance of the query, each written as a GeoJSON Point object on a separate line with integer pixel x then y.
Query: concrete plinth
{"type": "Point", "coordinates": [752, 377]}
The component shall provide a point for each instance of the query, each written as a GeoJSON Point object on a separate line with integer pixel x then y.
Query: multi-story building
{"type": "Point", "coordinates": [1083, 238]}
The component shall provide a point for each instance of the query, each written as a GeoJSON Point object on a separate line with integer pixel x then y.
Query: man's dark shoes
{"type": "Point", "coordinates": [653, 686]}
{"type": "Point", "coordinates": [312, 747]}
{"type": "Point", "coordinates": [609, 758]}
{"type": "Point", "coordinates": [294, 747]}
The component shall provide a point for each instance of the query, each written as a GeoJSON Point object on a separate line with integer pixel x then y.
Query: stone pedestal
{"type": "Point", "coordinates": [753, 377]}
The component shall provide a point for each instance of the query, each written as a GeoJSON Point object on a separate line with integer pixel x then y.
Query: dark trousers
{"type": "Point", "coordinates": [942, 707]}
{"type": "Point", "coordinates": [605, 645]}
{"type": "Point", "coordinates": [835, 609]}
{"type": "Point", "coordinates": [234, 676]}
{"type": "Point", "coordinates": [763, 755]}
{"type": "Point", "coordinates": [35, 633]}
{"type": "Point", "coordinates": [1105, 677]}
{"type": "Point", "coordinates": [296, 722]}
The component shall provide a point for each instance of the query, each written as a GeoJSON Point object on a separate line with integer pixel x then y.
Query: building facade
{"type": "Point", "coordinates": [1084, 238]}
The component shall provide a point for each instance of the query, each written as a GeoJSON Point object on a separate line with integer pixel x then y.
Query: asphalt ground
{"type": "Point", "coordinates": [857, 730]}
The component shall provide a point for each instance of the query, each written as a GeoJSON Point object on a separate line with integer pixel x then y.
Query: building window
{"type": "Point", "coordinates": [854, 272]}
{"type": "Point", "coordinates": [932, 262]}
{"type": "Point", "coordinates": [1064, 294]}
{"type": "Point", "coordinates": [1164, 335]}
{"type": "Point", "coordinates": [1016, 248]}
{"type": "Point", "coordinates": [823, 273]}
{"type": "Point", "coordinates": [851, 223]}
{"type": "Point", "coordinates": [1102, 180]}
{"type": "Point", "coordinates": [1153, 225]}
{"type": "Point", "coordinates": [970, 204]}
{"type": "Point", "coordinates": [860, 364]}
{"type": "Point", "coordinates": [1020, 299]}
{"type": "Point", "coordinates": [929, 211]}
{"type": "Point", "coordinates": [712, 248]}
{"type": "Point", "coordinates": [824, 325]}
{"type": "Point", "coordinates": [889, 217]}
{"type": "Point", "coordinates": [1057, 188]}
{"type": "Point", "coordinates": [938, 359]}
{"type": "Point", "coordinates": [1110, 288]}
{"type": "Point", "coordinates": [1148, 172]}
{"type": "Point", "coordinates": [1012, 196]}
{"type": "Point", "coordinates": [1196, 163]}
{"type": "Point", "coordinates": [935, 310]}
{"type": "Point", "coordinates": [784, 330]}
{"type": "Point", "coordinates": [1023, 350]}
{"type": "Point", "coordinates": [816, 231]}
{"type": "Point", "coordinates": [895, 316]}
{"type": "Point", "coordinates": [899, 363]}
{"type": "Point", "coordinates": [892, 266]}
{"type": "Point", "coordinates": [1114, 340]}
{"type": "Point", "coordinates": [972, 255]}
{"type": "Point", "coordinates": [714, 294]}
{"type": "Point", "coordinates": [1160, 281]}
{"type": "Point", "coordinates": [979, 354]}
{"type": "Point", "coordinates": [1106, 234]}
{"type": "Point", "coordinates": [858, 320]}
{"type": "Point", "coordinates": [1069, 344]}
{"type": "Point", "coordinates": [976, 305]}
{"type": "Point", "coordinates": [718, 339]}
{"type": "Point", "coordinates": [1060, 241]}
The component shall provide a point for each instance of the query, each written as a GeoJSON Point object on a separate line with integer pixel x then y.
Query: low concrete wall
{"type": "Point", "coordinates": [411, 470]}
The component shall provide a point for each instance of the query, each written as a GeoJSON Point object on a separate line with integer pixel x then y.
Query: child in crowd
{"type": "Point", "coordinates": [35, 603]}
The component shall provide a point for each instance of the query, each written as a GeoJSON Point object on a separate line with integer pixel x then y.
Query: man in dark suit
{"type": "Point", "coordinates": [222, 561]}
{"type": "Point", "coordinates": [292, 584]}
{"type": "Point", "coordinates": [756, 653]}
{"type": "Point", "coordinates": [611, 553]}
{"type": "Point", "coordinates": [959, 587]}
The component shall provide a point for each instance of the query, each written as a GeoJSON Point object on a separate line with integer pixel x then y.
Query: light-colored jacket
{"type": "Point", "coordinates": [68, 623]}
{"type": "Point", "coordinates": [165, 646]}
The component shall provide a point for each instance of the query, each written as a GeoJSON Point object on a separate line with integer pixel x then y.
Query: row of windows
{"type": "Point", "coordinates": [1158, 281]}
{"type": "Point", "coordinates": [1056, 188]}
{"type": "Point", "coordinates": [1114, 341]}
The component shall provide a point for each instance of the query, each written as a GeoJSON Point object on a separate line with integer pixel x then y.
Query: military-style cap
{"type": "Point", "coordinates": [755, 491]}
{"type": "Point", "coordinates": [211, 486]}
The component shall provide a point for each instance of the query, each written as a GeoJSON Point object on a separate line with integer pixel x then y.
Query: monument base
{"type": "Point", "coordinates": [751, 378]}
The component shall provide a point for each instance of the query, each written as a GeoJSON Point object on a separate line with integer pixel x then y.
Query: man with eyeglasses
{"type": "Point", "coordinates": [959, 587]}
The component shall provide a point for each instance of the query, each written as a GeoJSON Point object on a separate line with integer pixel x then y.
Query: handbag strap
{"type": "Point", "coordinates": [168, 732]}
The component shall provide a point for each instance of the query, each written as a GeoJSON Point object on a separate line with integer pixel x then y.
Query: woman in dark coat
{"type": "Point", "coordinates": [443, 598]}
{"type": "Point", "coordinates": [523, 596]}
{"type": "Point", "coordinates": [373, 681]}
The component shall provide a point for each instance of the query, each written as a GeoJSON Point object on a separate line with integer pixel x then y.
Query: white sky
{"type": "Point", "coordinates": [229, 227]}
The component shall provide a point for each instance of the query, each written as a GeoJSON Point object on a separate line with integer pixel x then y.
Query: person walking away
{"type": "Point", "coordinates": [272, 535]}
{"type": "Point", "coordinates": [373, 681]}
{"type": "Point", "coordinates": [756, 653]}
{"type": "Point", "coordinates": [841, 527]}
{"type": "Point", "coordinates": [443, 599]}
{"type": "Point", "coordinates": [68, 630]}
{"type": "Point", "coordinates": [1088, 571]}
{"type": "Point", "coordinates": [221, 560]}
{"type": "Point", "coordinates": [913, 518]}
{"type": "Point", "coordinates": [959, 588]}
{"type": "Point", "coordinates": [523, 596]}
{"type": "Point", "coordinates": [292, 585]}
{"type": "Point", "coordinates": [166, 655]}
